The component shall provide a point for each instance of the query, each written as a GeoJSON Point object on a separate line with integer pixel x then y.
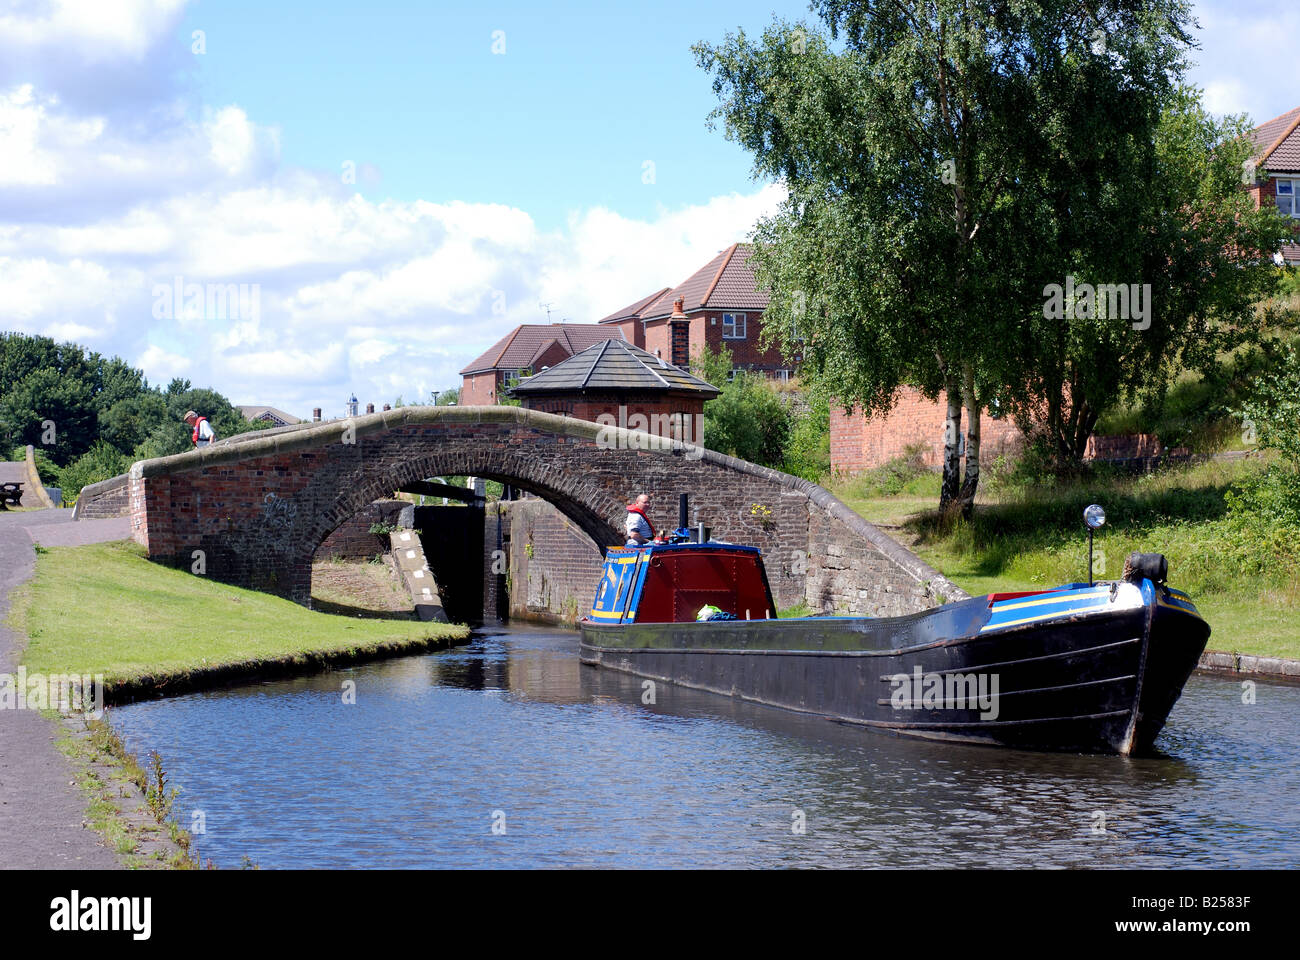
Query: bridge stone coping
{"type": "Point", "coordinates": [852, 567]}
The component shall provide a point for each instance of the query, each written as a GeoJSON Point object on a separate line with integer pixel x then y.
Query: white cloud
{"type": "Point", "coordinates": [99, 212]}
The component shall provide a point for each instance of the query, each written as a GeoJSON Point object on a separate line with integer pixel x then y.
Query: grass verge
{"type": "Point", "coordinates": [105, 609]}
{"type": "Point", "coordinates": [1244, 577]}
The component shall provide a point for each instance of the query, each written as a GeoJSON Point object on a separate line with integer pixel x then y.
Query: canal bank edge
{"type": "Point", "coordinates": [1223, 663]}
{"type": "Point", "coordinates": [156, 686]}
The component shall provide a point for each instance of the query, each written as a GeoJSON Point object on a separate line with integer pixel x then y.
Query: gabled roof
{"type": "Point", "coordinates": [258, 411]}
{"type": "Point", "coordinates": [522, 345]}
{"type": "Point", "coordinates": [615, 365]}
{"type": "Point", "coordinates": [1277, 143]}
{"type": "Point", "coordinates": [633, 310]}
{"type": "Point", "coordinates": [724, 283]}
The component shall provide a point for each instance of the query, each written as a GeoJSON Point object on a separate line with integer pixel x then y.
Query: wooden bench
{"type": "Point", "coordinates": [11, 493]}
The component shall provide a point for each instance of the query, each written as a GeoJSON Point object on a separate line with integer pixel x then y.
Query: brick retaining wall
{"type": "Point", "coordinates": [352, 539]}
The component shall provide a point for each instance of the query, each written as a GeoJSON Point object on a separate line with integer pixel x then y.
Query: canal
{"type": "Point", "coordinates": [509, 753]}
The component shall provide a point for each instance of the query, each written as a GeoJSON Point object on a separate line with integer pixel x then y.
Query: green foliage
{"type": "Point", "coordinates": [506, 395]}
{"type": "Point", "coordinates": [889, 479]}
{"type": "Point", "coordinates": [748, 419]}
{"type": "Point", "coordinates": [945, 164]}
{"type": "Point", "coordinates": [807, 452]}
{"type": "Point", "coordinates": [447, 398]}
{"type": "Point", "coordinates": [1273, 409]}
{"type": "Point", "coordinates": [101, 462]}
{"type": "Point", "coordinates": [84, 400]}
{"type": "Point", "coordinates": [1271, 499]}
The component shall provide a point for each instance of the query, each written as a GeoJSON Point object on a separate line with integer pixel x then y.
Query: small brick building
{"type": "Point", "coordinates": [617, 383]}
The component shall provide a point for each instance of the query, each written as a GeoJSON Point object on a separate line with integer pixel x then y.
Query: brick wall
{"type": "Point", "coordinates": [352, 539]}
{"type": "Point", "coordinates": [478, 389]}
{"type": "Point", "coordinates": [706, 331]}
{"type": "Point", "coordinates": [858, 443]}
{"type": "Point", "coordinates": [554, 565]}
{"type": "Point", "coordinates": [108, 498]}
{"type": "Point", "coordinates": [628, 409]}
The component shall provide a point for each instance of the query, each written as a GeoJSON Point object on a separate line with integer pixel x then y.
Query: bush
{"type": "Point", "coordinates": [808, 452]}
{"type": "Point", "coordinates": [100, 462]}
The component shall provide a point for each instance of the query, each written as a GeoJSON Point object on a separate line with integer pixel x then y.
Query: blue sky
{"type": "Point", "coordinates": [485, 183]}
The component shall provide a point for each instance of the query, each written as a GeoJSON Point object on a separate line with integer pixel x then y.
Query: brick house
{"type": "Point", "coordinates": [1277, 171]}
{"type": "Point", "coordinates": [527, 348]}
{"type": "Point", "coordinates": [618, 383]}
{"type": "Point", "coordinates": [272, 415]}
{"type": "Point", "coordinates": [719, 306]}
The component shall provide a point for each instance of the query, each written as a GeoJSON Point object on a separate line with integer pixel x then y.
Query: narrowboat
{"type": "Point", "coordinates": [1085, 667]}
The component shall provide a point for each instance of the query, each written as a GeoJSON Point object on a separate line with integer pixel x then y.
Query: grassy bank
{"type": "Point", "coordinates": [1244, 577]}
{"type": "Point", "coordinates": [105, 609]}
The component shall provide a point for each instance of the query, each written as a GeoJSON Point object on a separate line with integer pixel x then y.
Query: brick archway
{"type": "Point", "coordinates": [257, 506]}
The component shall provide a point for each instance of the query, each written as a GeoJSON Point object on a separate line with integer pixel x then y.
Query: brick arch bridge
{"type": "Point", "coordinates": [258, 505]}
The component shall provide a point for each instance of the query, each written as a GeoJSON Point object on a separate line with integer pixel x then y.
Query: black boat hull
{"type": "Point", "coordinates": [1100, 681]}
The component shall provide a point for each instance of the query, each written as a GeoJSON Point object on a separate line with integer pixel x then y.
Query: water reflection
{"type": "Point", "coordinates": [585, 773]}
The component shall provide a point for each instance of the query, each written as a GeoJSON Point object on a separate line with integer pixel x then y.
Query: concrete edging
{"type": "Point", "coordinates": [1232, 664]}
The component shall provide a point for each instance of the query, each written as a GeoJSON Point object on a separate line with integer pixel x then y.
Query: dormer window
{"type": "Point", "coordinates": [1288, 197]}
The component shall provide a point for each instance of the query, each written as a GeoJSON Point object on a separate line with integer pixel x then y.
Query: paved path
{"type": "Point", "coordinates": [41, 810]}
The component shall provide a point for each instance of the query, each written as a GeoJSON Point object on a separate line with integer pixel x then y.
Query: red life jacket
{"type": "Point", "coordinates": [633, 508]}
{"type": "Point", "coordinates": [194, 437]}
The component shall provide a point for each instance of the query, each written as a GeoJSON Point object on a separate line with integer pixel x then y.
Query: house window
{"type": "Point", "coordinates": [734, 371]}
{"type": "Point", "coordinates": [1288, 197]}
{"type": "Point", "coordinates": [733, 326]}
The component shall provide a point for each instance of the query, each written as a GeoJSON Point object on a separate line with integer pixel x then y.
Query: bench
{"type": "Point", "coordinates": [11, 493]}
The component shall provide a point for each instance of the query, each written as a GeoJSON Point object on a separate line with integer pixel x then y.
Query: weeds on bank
{"type": "Point", "coordinates": [107, 774]}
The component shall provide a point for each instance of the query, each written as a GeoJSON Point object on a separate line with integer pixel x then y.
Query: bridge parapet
{"type": "Point", "coordinates": [253, 512]}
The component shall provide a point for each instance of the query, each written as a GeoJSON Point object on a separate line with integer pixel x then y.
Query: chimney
{"type": "Point", "coordinates": [370, 408]}
{"type": "Point", "coordinates": [677, 309]}
{"type": "Point", "coordinates": [315, 414]}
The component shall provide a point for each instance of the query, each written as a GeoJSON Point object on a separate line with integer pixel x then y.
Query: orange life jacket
{"type": "Point", "coordinates": [633, 508]}
{"type": "Point", "coordinates": [194, 437]}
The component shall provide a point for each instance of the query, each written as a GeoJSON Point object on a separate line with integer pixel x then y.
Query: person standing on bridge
{"type": "Point", "coordinates": [638, 527]}
{"type": "Point", "coordinates": [203, 433]}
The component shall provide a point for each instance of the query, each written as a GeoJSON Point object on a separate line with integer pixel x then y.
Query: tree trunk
{"type": "Point", "coordinates": [951, 487]}
{"type": "Point", "coordinates": [970, 483]}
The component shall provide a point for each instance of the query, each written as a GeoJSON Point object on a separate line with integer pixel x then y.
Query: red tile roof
{"type": "Point", "coordinates": [1278, 143]}
{"type": "Point", "coordinates": [519, 347]}
{"type": "Point", "coordinates": [724, 283]}
{"type": "Point", "coordinates": [633, 310]}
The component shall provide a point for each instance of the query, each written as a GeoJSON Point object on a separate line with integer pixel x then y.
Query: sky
{"type": "Point", "coordinates": [391, 186]}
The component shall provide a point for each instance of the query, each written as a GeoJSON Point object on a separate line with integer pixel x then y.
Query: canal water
{"type": "Point", "coordinates": [509, 753]}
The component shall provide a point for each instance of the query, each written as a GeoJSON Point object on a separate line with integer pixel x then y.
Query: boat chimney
{"type": "Point", "coordinates": [683, 512]}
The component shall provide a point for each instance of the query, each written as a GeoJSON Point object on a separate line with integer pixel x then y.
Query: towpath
{"type": "Point", "coordinates": [42, 812]}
